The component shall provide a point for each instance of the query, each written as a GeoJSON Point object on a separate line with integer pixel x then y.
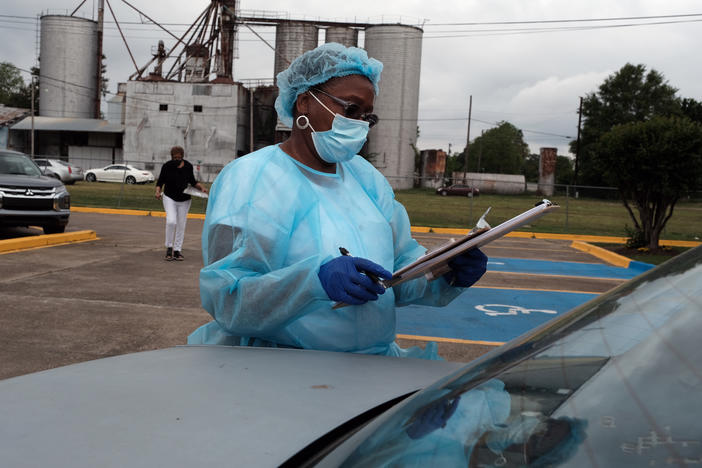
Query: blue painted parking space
{"type": "Point", "coordinates": [487, 314]}
{"type": "Point", "coordinates": [545, 267]}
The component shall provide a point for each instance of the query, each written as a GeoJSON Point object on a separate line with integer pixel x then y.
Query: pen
{"type": "Point", "coordinates": [373, 278]}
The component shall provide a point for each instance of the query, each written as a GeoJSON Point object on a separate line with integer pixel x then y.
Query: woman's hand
{"type": "Point", "coordinates": [467, 268]}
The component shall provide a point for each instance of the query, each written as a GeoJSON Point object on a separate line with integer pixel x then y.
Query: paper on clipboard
{"type": "Point", "coordinates": [190, 190]}
{"type": "Point", "coordinates": [435, 263]}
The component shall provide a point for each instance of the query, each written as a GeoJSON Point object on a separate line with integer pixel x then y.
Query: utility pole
{"type": "Point", "coordinates": [251, 120]}
{"type": "Point", "coordinates": [470, 111]}
{"type": "Point", "coordinates": [480, 153]}
{"type": "Point", "coordinates": [577, 141]}
{"type": "Point", "coordinates": [32, 111]}
{"type": "Point", "coordinates": [98, 91]}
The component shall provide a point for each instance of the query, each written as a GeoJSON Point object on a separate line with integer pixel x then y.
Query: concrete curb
{"type": "Point", "coordinates": [47, 240]}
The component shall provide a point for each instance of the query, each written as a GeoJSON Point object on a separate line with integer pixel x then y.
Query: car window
{"type": "Point", "coordinates": [615, 382]}
{"type": "Point", "coordinates": [41, 162]}
{"type": "Point", "coordinates": [18, 164]}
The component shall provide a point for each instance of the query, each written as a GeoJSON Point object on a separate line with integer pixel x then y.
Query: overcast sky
{"type": "Point", "coordinates": [515, 72]}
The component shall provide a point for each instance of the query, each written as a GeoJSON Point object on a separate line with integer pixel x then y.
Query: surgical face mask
{"type": "Point", "coordinates": [343, 141]}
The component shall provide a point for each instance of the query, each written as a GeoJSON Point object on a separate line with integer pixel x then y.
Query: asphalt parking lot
{"type": "Point", "coordinates": [115, 295]}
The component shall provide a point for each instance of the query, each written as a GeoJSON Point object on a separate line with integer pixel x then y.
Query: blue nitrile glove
{"type": "Point", "coordinates": [467, 268]}
{"type": "Point", "coordinates": [433, 418]}
{"type": "Point", "coordinates": [343, 279]}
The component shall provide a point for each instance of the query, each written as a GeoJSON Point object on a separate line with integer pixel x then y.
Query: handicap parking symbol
{"type": "Point", "coordinates": [494, 310]}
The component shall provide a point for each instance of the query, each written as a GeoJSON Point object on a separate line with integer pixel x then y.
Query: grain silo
{"type": "Point", "coordinates": [68, 64]}
{"type": "Point", "coordinates": [292, 39]}
{"type": "Point", "coordinates": [390, 142]}
{"type": "Point", "coordinates": [342, 35]}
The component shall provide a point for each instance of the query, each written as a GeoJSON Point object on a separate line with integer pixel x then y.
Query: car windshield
{"type": "Point", "coordinates": [18, 164]}
{"type": "Point", "coordinates": [615, 382]}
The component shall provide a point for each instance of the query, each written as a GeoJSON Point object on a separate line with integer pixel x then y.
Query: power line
{"type": "Point", "coordinates": [570, 20]}
{"type": "Point", "coordinates": [474, 23]}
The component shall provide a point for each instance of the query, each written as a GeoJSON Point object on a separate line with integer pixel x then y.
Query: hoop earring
{"type": "Point", "coordinates": [304, 125]}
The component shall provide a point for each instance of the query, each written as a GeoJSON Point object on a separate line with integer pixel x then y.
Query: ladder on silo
{"type": "Point", "coordinates": [37, 40]}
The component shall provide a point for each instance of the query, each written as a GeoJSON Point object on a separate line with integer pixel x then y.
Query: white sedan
{"type": "Point", "coordinates": [119, 173]}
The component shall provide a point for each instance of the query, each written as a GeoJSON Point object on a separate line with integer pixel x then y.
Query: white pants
{"type": "Point", "coordinates": [176, 217]}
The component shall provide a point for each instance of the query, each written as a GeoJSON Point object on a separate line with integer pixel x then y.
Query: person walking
{"type": "Point", "coordinates": [176, 175]}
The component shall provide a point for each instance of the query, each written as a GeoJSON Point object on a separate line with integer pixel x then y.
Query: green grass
{"type": "Point", "coordinates": [425, 208]}
{"type": "Point", "coordinates": [130, 197]}
{"type": "Point", "coordinates": [576, 216]}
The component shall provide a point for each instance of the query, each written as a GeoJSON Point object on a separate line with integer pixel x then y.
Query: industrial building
{"type": "Point", "coordinates": [186, 95]}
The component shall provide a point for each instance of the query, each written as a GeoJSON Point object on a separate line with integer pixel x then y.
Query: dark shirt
{"type": "Point", "coordinates": [176, 179]}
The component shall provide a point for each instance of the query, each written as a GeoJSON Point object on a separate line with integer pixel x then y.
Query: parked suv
{"type": "Point", "coordinates": [28, 198]}
{"type": "Point", "coordinates": [65, 172]}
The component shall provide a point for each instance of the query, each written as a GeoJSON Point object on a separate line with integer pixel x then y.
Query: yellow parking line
{"type": "Point", "coordinates": [450, 340]}
{"type": "Point", "coordinates": [158, 214]}
{"type": "Point", "coordinates": [48, 240]}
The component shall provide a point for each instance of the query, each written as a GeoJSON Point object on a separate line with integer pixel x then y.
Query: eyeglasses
{"type": "Point", "coordinates": [351, 109]}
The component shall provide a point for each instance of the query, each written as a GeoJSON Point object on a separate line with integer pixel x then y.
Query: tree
{"type": "Point", "coordinates": [13, 91]}
{"type": "Point", "coordinates": [629, 95]}
{"type": "Point", "coordinates": [692, 109]}
{"type": "Point", "coordinates": [564, 170]}
{"type": "Point", "coordinates": [500, 150]}
{"type": "Point", "coordinates": [653, 163]}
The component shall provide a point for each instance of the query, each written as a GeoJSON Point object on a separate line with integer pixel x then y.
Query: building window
{"type": "Point", "coordinates": [202, 90]}
{"type": "Point", "coordinates": [197, 108]}
{"type": "Point", "coordinates": [163, 107]}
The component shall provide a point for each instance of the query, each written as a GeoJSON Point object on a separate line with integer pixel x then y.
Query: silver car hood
{"type": "Point", "coordinates": [19, 180]}
{"type": "Point", "coordinates": [195, 405]}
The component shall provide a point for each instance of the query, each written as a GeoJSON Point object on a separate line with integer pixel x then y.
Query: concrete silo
{"type": "Point", "coordinates": [292, 39]}
{"type": "Point", "coordinates": [344, 36]}
{"type": "Point", "coordinates": [68, 64]}
{"type": "Point", "coordinates": [390, 142]}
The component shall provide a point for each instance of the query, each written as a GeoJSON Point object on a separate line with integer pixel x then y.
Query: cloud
{"type": "Point", "coordinates": [532, 79]}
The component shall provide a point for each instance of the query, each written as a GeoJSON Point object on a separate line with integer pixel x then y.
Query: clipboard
{"type": "Point", "coordinates": [436, 263]}
{"type": "Point", "coordinates": [190, 190]}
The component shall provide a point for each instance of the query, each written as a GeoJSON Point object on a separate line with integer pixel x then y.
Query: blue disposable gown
{"type": "Point", "coordinates": [271, 223]}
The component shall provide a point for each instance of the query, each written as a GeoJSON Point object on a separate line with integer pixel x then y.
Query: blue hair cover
{"type": "Point", "coordinates": [318, 66]}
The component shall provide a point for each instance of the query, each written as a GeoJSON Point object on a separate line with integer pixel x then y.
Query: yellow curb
{"type": "Point", "coordinates": [449, 340]}
{"type": "Point", "coordinates": [48, 240]}
{"type": "Point", "coordinates": [676, 243]}
{"type": "Point", "coordinates": [570, 237]}
{"type": "Point", "coordinates": [603, 254]}
{"type": "Point", "coordinates": [418, 229]}
{"type": "Point", "coordinates": [157, 214]}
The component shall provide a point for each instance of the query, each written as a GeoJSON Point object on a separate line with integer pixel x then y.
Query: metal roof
{"type": "Point", "coordinates": [68, 125]}
{"type": "Point", "coordinates": [8, 114]}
